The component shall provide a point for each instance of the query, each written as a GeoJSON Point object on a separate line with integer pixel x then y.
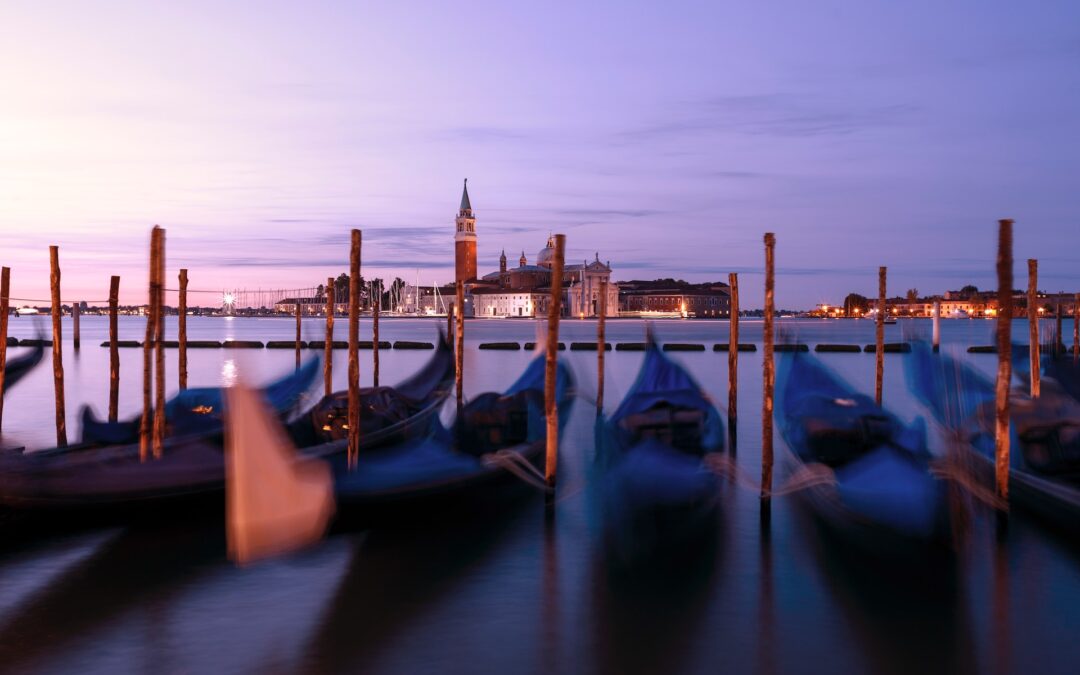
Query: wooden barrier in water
{"type": "Point", "coordinates": [181, 330]}
{"type": "Point", "coordinates": [1004, 349]}
{"type": "Point", "coordinates": [328, 342]}
{"type": "Point", "coordinates": [410, 344]}
{"type": "Point", "coordinates": [159, 348]}
{"type": "Point", "coordinates": [625, 347]}
{"type": "Point", "coordinates": [244, 344]}
{"type": "Point", "coordinates": [601, 347]}
{"type": "Point", "coordinates": [683, 347]}
{"type": "Point", "coordinates": [57, 348]}
{"type": "Point", "coordinates": [551, 411]}
{"type": "Point", "coordinates": [768, 370]}
{"type": "Point", "coordinates": [838, 348]}
{"type": "Point", "coordinates": [1033, 325]}
{"type": "Point", "coordinates": [879, 359]}
{"type": "Point", "coordinates": [889, 348]}
{"type": "Point", "coordinates": [733, 359]}
{"type": "Point", "coordinates": [500, 346]}
{"type": "Point", "coordinates": [5, 293]}
{"type": "Point", "coordinates": [354, 357]}
{"type": "Point", "coordinates": [114, 354]}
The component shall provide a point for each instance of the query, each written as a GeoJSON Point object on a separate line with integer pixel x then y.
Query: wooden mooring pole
{"type": "Point", "coordinates": [551, 410]}
{"type": "Point", "coordinates": [459, 345]}
{"type": "Point", "coordinates": [354, 346]}
{"type": "Point", "coordinates": [114, 352]}
{"type": "Point", "coordinates": [1004, 349]}
{"type": "Point", "coordinates": [145, 422]}
{"type": "Point", "coordinates": [299, 344]}
{"type": "Point", "coordinates": [450, 327]}
{"type": "Point", "coordinates": [1033, 324]}
{"type": "Point", "coordinates": [57, 352]}
{"type": "Point", "coordinates": [5, 308]}
{"type": "Point", "coordinates": [1059, 339]}
{"type": "Point", "coordinates": [181, 330]}
{"type": "Point", "coordinates": [159, 347]}
{"type": "Point", "coordinates": [601, 347]}
{"type": "Point", "coordinates": [75, 311]}
{"type": "Point", "coordinates": [733, 360]}
{"type": "Point", "coordinates": [879, 342]}
{"type": "Point", "coordinates": [375, 336]}
{"type": "Point", "coordinates": [769, 369]}
{"type": "Point", "coordinates": [937, 325]}
{"type": "Point", "coordinates": [328, 346]}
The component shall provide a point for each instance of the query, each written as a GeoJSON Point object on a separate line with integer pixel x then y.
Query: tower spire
{"type": "Point", "coordinates": [465, 204]}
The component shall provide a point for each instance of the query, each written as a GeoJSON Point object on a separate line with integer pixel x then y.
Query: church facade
{"type": "Point", "coordinates": [525, 290]}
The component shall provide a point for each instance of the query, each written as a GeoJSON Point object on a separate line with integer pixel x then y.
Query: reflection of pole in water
{"type": "Point", "coordinates": [1000, 628]}
{"type": "Point", "coordinates": [765, 662]}
{"type": "Point", "coordinates": [549, 601]}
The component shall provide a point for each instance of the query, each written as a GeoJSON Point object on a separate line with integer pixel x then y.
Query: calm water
{"type": "Point", "coordinates": [508, 591]}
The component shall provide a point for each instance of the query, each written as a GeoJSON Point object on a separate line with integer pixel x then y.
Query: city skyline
{"type": "Point", "coordinates": [670, 139]}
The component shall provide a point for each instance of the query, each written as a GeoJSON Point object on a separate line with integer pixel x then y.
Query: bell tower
{"type": "Point", "coordinates": [465, 239]}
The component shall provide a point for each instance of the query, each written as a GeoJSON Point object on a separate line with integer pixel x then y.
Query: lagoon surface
{"type": "Point", "coordinates": [508, 590]}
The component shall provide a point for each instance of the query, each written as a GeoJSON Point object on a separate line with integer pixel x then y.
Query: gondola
{"type": "Point", "coordinates": [17, 368]}
{"type": "Point", "coordinates": [198, 410]}
{"type": "Point", "coordinates": [192, 466]}
{"type": "Point", "coordinates": [867, 476]}
{"type": "Point", "coordinates": [657, 496]}
{"type": "Point", "coordinates": [495, 436]}
{"type": "Point", "coordinates": [1044, 464]}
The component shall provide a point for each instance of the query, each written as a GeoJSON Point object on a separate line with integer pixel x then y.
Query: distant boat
{"type": "Point", "coordinates": [889, 320]}
{"type": "Point", "coordinates": [26, 311]}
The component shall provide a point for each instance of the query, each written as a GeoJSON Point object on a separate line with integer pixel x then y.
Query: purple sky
{"type": "Point", "coordinates": [668, 137]}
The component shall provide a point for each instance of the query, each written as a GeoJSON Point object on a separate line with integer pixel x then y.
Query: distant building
{"type": "Point", "coordinates": [312, 306]}
{"type": "Point", "coordinates": [465, 239]}
{"type": "Point", "coordinates": [668, 296]}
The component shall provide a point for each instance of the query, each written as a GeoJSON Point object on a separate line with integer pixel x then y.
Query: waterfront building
{"type": "Point", "coordinates": [670, 297]}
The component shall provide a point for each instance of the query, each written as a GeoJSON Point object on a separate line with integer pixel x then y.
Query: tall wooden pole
{"type": "Point", "coordinates": [937, 325]}
{"type": "Point", "coordinates": [57, 353]}
{"type": "Point", "coordinates": [181, 330]}
{"type": "Point", "coordinates": [1059, 339]}
{"type": "Point", "coordinates": [769, 370]}
{"type": "Point", "coordinates": [450, 327]}
{"type": "Point", "coordinates": [1076, 327]}
{"type": "Point", "coordinates": [879, 360]}
{"type": "Point", "coordinates": [1033, 324]}
{"type": "Point", "coordinates": [601, 347]}
{"type": "Point", "coordinates": [76, 338]}
{"type": "Point", "coordinates": [114, 352]}
{"type": "Point", "coordinates": [298, 305]}
{"type": "Point", "coordinates": [328, 346]}
{"type": "Point", "coordinates": [354, 346]}
{"type": "Point", "coordinates": [159, 348]}
{"type": "Point", "coordinates": [733, 359]}
{"type": "Point", "coordinates": [1004, 349]}
{"type": "Point", "coordinates": [5, 308]}
{"type": "Point", "coordinates": [551, 410]}
{"type": "Point", "coordinates": [375, 336]}
{"type": "Point", "coordinates": [145, 422]}
{"type": "Point", "coordinates": [459, 344]}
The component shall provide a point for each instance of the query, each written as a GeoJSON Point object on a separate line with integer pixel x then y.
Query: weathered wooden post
{"type": "Point", "coordinates": [181, 330]}
{"type": "Point", "coordinates": [5, 293]}
{"type": "Point", "coordinates": [450, 327]}
{"type": "Point", "coordinates": [146, 421]}
{"type": "Point", "coordinates": [57, 353]}
{"type": "Point", "coordinates": [298, 343]}
{"type": "Point", "coordinates": [114, 352]}
{"type": "Point", "coordinates": [1059, 339]}
{"type": "Point", "coordinates": [551, 410]}
{"type": "Point", "coordinates": [769, 370]}
{"type": "Point", "coordinates": [375, 335]}
{"type": "Point", "coordinates": [459, 344]}
{"type": "Point", "coordinates": [1076, 327]}
{"type": "Point", "coordinates": [879, 345]}
{"type": "Point", "coordinates": [328, 346]}
{"type": "Point", "coordinates": [1004, 349]}
{"type": "Point", "coordinates": [159, 347]}
{"type": "Point", "coordinates": [733, 359]}
{"type": "Point", "coordinates": [1033, 325]}
{"type": "Point", "coordinates": [601, 347]}
{"type": "Point", "coordinates": [937, 325]}
{"type": "Point", "coordinates": [75, 311]}
{"type": "Point", "coordinates": [354, 346]}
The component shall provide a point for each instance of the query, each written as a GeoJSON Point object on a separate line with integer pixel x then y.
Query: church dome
{"type": "Point", "coordinates": [547, 254]}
